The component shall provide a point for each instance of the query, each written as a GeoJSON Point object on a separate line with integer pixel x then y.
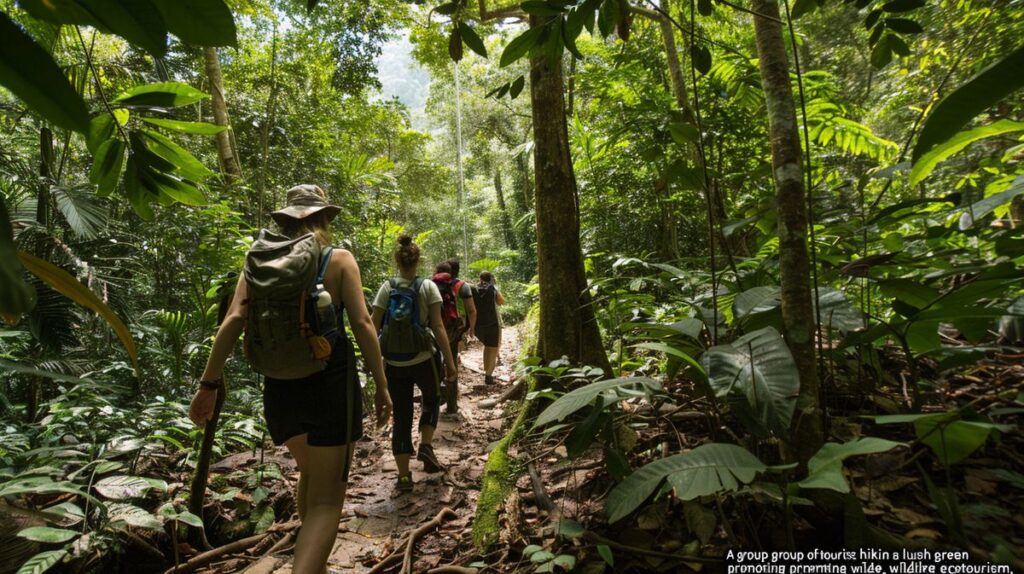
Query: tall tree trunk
{"type": "Point", "coordinates": [567, 323]}
{"type": "Point", "coordinates": [227, 155]}
{"type": "Point", "coordinates": [794, 264]}
{"type": "Point", "coordinates": [506, 221]}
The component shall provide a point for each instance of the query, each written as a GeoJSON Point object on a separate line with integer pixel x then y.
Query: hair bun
{"type": "Point", "coordinates": [405, 239]}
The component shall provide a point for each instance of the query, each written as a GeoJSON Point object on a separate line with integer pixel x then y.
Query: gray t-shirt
{"type": "Point", "coordinates": [429, 295]}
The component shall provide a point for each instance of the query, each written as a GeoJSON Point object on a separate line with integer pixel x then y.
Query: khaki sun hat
{"type": "Point", "coordinates": [305, 200]}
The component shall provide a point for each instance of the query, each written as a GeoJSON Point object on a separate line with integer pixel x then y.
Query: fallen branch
{"type": "Point", "coordinates": [513, 392]}
{"type": "Point", "coordinates": [403, 552]}
{"type": "Point", "coordinates": [452, 569]}
{"type": "Point", "coordinates": [544, 501]}
{"type": "Point", "coordinates": [410, 544]}
{"type": "Point", "coordinates": [211, 555]}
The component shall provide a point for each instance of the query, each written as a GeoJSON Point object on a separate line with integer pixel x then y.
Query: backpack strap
{"type": "Point", "coordinates": [324, 260]}
{"type": "Point", "coordinates": [417, 283]}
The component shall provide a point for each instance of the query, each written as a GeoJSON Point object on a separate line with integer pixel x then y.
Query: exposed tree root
{"type": "Point", "coordinates": [211, 555]}
{"type": "Point", "coordinates": [403, 552]}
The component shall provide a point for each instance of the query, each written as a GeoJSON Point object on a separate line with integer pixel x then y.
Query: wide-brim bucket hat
{"type": "Point", "coordinates": [305, 200]}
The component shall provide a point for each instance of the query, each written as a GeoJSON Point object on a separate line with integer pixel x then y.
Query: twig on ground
{"type": "Point", "coordinates": [544, 501]}
{"type": "Point", "coordinates": [403, 552]}
{"type": "Point", "coordinates": [452, 569]}
{"type": "Point", "coordinates": [410, 545]}
{"type": "Point", "coordinates": [211, 555]}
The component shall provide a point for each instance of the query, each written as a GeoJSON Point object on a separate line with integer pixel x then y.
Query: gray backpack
{"type": "Point", "coordinates": [286, 335]}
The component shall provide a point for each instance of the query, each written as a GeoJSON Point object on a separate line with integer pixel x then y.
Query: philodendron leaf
{"type": "Point", "coordinates": [707, 469]}
{"type": "Point", "coordinates": [950, 437]}
{"type": "Point", "coordinates": [162, 95]}
{"type": "Point", "coordinates": [758, 378]}
{"type": "Point", "coordinates": [576, 399]}
{"type": "Point", "coordinates": [62, 282]}
{"type": "Point", "coordinates": [927, 162]}
{"type": "Point", "coordinates": [47, 534]}
{"type": "Point", "coordinates": [33, 77]}
{"type": "Point", "coordinates": [825, 469]}
{"type": "Point", "coordinates": [974, 96]}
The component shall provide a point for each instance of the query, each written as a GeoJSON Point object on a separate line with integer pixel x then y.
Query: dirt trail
{"type": "Point", "coordinates": [376, 517]}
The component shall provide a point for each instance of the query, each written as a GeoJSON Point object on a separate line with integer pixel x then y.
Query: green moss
{"type": "Point", "coordinates": [500, 472]}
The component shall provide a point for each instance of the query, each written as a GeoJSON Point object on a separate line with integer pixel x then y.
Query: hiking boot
{"type": "Point", "coordinates": [430, 462]}
{"type": "Point", "coordinates": [488, 380]}
{"type": "Point", "coordinates": [404, 483]}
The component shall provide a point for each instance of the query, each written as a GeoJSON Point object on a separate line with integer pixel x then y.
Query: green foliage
{"type": "Point", "coordinates": [707, 469]}
{"type": "Point", "coordinates": [825, 468]}
{"type": "Point", "coordinates": [756, 376]}
{"type": "Point", "coordinates": [952, 436]}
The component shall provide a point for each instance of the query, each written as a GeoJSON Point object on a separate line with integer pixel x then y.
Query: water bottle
{"type": "Point", "coordinates": [323, 300]}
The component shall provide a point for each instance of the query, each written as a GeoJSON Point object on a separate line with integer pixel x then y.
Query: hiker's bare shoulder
{"type": "Point", "coordinates": [342, 257]}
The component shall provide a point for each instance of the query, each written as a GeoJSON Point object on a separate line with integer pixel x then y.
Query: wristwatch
{"type": "Point", "coordinates": [213, 385]}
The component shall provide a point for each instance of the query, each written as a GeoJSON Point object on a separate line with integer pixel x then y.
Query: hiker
{"type": "Point", "coordinates": [311, 396]}
{"type": "Point", "coordinates": [488, 321]}
{"type": "Point", "coordinates": [407, 314]}
{"type": "Point", "coordinates": [454, 291]}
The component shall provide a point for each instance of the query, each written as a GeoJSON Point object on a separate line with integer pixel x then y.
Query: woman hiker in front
{"type": "Point", "coordinates": [319, 414]}
{"type": "Point", "coordinates": [407, 313]}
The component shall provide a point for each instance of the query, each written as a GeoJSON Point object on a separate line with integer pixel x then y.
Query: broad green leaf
{"type": "Point", "coordinates": [200, 22]}
{"type": "Point", "coordinates": [16, 296]}
{"type": "Point", "coordinates": [673, 352]}
{"type": "Point", "coordinates": [985, 89]}
{"type": "Point", "coordinates": [910, 292]}
{"type": "Point", "coordinates": [926, 163]}
{"type": "Point", "coordinates": [691, 328]}
{"type": "Point", "coordinates": [162, 95]}
{"type": "Point", "coordinates": [980, 209]}
{"type": "Point", "coordinates": [576, 399]}
{"type": "Point", "coordinates": [683, 133]}
{"type": "Point", "coordinates": [101, 129]}
{"type": "Point", "coordinates": [606, 554]}
{"type": "Point", "coordinates": [43, 485]}
{"type": "Point", "coordinates": [950, 437]}
{"type": "Point", "coordinates": [801, 7]}
{"type": "Point", "coordinates": [825, 468]}
{"type": "Point", "coordinates": [516, 87]}
{"type": "Point", "coordinates": [757, 377]}
{"type": "Point", "coordinates": [42, 562]}
{"type": "Point", "coordinates": [520, 45]}
{"type": "Point", "coordinates": [539, 8]}
{"type": "Point", "coordinates": [185, 163]}
{"type": "Point", "coordinates": [701, 58]}
{"type": "Point", "coordinates": [198, 128]}
{"type": "Point", "coordinates": [756, 300]}
{"type": "Point", "coordinates": [47, 534]}
{"type": "Point", "coordinates": [447, 9]}
{"type": "Point", "coordinates": [472, 39]}
{"type": "Point", "coordinates": [565, 561]}
{"type": "Point", "coordinates": [707, 469]}
{"type": "Point", "coordinates": [122, 486]}
{"type": "Point", "coordinates": [33, 77]}
{"type": "Point", "coordinates": [133, 516]}
{"type": "Point", "coordinates": [66, 285]}
{"type": "Point", "coordinates": [837, 312]}
{"type": "Point", "coordinates": [134, 20]}
{"type": "Point", "coordinates": [455, 45]}
{"type": "Point", "coordinates": [106, 166]}
{"type": "Point", "coordinates": [896, 6]}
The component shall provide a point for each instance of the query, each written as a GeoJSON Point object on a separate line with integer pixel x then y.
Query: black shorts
{"type": "Point", "coordinates": [489, 335]}
{"type": "Point", "coordinates": [327, 405]}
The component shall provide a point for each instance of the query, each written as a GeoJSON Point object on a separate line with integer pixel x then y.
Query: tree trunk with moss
{"type": "Point", "coordinates": [226, 155]}
{"type": "Point", "coordinates": [567, 323]}
{"type": "Point", "coordinates": [794, 263]}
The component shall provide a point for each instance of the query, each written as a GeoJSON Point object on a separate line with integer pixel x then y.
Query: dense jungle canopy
{"type": "Point", "coordinates": [763, 260]}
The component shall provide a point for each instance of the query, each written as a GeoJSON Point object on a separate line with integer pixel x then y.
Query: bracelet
{"type": "Point", "coordinates": [213, 385]}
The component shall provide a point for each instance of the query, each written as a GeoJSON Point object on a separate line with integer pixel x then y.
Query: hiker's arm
{"type": "Point", "coordinates": [362, 326]}
{"type": "Point", "coordinates": [437, 325]}
{"type": "Point", "coordinates": [377, 319]}
{"type": "Point", "coordinates": [471, 315]}
{"type": "Point", "coordinates": [499, 297]}
{"type": "Point", "coordinates": [205, 399]}
{"type": "Point", "coordinates": [227, 335]}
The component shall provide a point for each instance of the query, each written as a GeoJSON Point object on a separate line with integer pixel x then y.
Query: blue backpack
{"type": "Point", "coordinates": [402, 336]}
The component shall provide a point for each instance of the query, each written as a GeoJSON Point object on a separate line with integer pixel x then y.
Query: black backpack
{"type": "Point", "coordinates": [486, 298]}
